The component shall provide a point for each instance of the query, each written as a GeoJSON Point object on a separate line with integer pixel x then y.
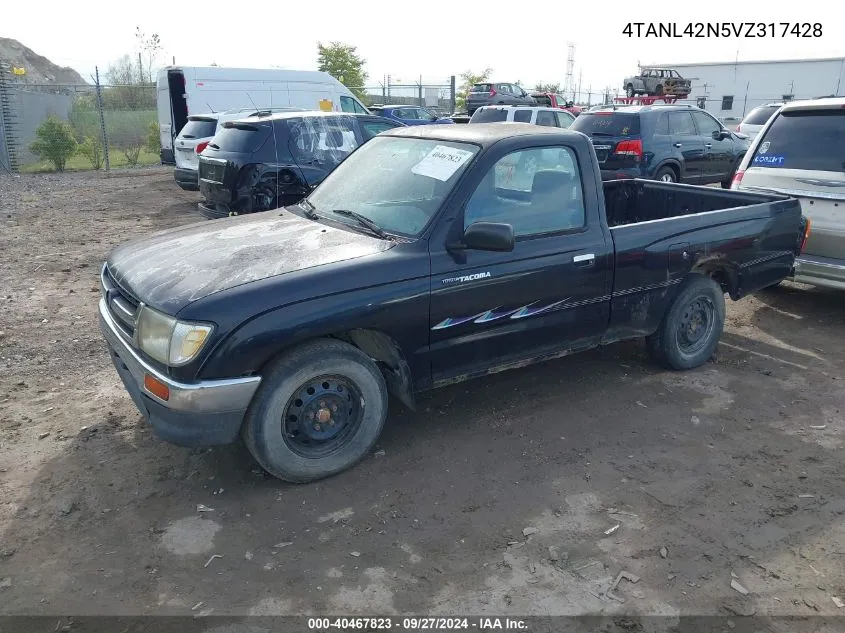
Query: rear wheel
{"type": "Point", "coordinates": [666, 174]}
{"type": "Point", "coordinates": [691, 328]}
{"type": "Point", "coordinates": [629, 90]}
{"type": "Point", "coordinates": [318, 411]}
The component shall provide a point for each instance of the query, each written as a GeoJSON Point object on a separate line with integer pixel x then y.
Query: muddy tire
{"type": "Point", "coordinates": [319, 410]}
{"type": "Point", "coordinates": [691, 328]}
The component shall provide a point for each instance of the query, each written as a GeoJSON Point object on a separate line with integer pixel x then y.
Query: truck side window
{"type": "Point", "coordinates": [535, 190]}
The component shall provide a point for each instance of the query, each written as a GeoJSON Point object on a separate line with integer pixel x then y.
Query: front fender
{"type": "Point", "coordinates": [399, 311]}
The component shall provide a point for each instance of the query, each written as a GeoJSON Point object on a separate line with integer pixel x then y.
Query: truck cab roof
{"type": "Point", "coordinates": [486, 134]}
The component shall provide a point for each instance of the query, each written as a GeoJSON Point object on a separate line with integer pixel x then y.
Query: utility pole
{"type": "Point", "coordinates": [570, 67]}
{"type": "Point", "coordinates": [140, 70]}
{"type": "Point", "coordinates": [580, 76]}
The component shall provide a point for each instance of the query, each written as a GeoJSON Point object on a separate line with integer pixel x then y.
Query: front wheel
{"type": "Point", "coordinates": [629, 90]}
{"type": "Point", "coordinates": [318, 411]}
{"type": "Point", "coordinates": [690, 330]}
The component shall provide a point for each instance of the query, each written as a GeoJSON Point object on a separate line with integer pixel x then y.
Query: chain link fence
{"type": "Point", "coordinates": [51, 127]}
{"type": "Point", "coordinates": [437, 95]}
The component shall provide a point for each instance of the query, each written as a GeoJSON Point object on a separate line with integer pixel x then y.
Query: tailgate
{"type": "Point", "coordinates": [611, 134]}
{"type": "Point", "coordinates": [185, 154]}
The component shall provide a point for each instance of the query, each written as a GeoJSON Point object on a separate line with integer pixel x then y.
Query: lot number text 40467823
{"type": "Point", "coordinates": [723, 29]}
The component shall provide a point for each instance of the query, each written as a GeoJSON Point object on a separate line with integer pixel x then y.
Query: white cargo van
{"type": "Point", "coordinates": [182, 91]}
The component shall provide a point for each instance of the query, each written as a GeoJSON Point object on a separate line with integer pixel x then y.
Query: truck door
{"type": "Point", "coordinates": [489, 309]}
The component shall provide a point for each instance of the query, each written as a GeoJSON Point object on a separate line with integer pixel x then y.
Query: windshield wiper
{"type": "Point", "coordinates": [364, 221]}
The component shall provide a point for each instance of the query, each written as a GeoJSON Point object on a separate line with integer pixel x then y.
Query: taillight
{"type": "Point", "coordinates": [201, 146]}
{"type": "Point", "coordinates": [738, 128]}
{"type": "Point", "coordinates": [806, 235]}
{"type": "Point", "coordinates": [492, 92]}
{"type": "Point", "coordinates": [737, 179]}
{"type": "Point", "coordinates": [630, 148]}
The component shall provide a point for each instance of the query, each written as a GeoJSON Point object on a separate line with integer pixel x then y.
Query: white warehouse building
{"type": "Point", "coordinates": [732, 89]}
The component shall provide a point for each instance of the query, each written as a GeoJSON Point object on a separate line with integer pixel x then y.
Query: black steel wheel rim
{"type": "Point", "coordinates": [697, 324]}
{"type": "Point", "coordinates": [322, 416]}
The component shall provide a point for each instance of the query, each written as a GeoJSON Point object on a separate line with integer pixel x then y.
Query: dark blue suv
{"type": "Point", "coordinates": [672, 143]}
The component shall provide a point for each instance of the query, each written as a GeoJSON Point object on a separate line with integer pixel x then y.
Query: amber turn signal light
{"type": "Point", "coordinates": [156, 387]}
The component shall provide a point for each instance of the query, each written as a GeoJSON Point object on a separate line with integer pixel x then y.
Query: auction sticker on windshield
{"type": "Point", "coordinates": [441, 162]}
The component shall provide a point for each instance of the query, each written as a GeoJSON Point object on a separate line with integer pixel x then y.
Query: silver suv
{"type": "Point", "coordinates": [486, 93]}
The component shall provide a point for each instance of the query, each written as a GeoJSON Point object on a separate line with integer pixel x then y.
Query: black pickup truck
{"type": "Point", "coordinates": [431, 255]}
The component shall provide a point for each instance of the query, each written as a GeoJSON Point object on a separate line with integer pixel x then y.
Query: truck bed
{"type": "Point", "coordinates": [664, 231]}
{"type": "Point", "coordinates": [634, 201]}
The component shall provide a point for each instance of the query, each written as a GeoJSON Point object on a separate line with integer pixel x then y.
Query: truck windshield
{"type": "Point", "coordinates": [398, 183]}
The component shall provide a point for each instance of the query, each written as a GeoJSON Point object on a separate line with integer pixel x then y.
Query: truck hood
{"type": "Point", "coordinates": [173, 268]}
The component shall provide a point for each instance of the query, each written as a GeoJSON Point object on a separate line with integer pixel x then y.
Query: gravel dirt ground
{"type": "Point", "coordinates": [523, 493]}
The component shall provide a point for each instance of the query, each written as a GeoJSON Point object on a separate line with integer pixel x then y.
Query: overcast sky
{"type": "Point", "coordinates": [524, 41]}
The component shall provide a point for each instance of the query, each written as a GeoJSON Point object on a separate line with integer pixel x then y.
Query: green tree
{"type": "Point", "coordinates": [343, 63]}
{"type": "Point", "coordinates": [469, 78]}
{"type": "Point", "coordinates": [54, 142]}
{"type": "Point", "coordinates": [547, 87]}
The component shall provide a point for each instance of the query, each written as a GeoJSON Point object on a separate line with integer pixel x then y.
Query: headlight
{"type": "Point", "coordinates": [168, 340]}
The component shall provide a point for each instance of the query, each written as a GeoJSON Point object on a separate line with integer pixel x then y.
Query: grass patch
{"type": "Point", "coordinates": [80, 163]}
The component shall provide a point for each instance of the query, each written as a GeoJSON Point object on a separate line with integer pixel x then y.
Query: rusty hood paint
{"type": "Point", "coordinates": [173, 268]}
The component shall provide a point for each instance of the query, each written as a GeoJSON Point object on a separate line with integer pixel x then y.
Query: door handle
{"type": "Point", "coordinates": [708, 145]}
{"type": "Point", "coordinates": [584, 260]}
{"type": "Point", "coordinates": [677, 144]}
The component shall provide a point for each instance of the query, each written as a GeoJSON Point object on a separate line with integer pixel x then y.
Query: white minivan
{"type": "Point", "coordinates": [182, 91]}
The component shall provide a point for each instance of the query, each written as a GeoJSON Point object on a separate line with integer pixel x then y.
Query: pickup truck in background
{"type": "Point", "coordinates": [553, 100]}
{"type": "Point", "coordinates": [658, 82]}
{"type": "Point", "coordinates": [431, 255]}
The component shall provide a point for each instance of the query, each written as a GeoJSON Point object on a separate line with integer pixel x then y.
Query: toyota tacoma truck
{"type": "Point", "coordinates": [431, 255]}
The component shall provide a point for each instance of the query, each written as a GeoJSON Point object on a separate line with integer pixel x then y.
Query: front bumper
{"type": "Point", "coordinates": [204, 413]}
{"type": "Point", "coordinates": [825, 272]}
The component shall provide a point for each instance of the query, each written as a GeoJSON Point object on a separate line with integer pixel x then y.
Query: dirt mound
{"type": "Point", "coordinates": [39, 70]}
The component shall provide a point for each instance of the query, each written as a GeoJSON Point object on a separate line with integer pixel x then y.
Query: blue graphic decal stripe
{"type": "Point", "coordinates": [529, 310]}
{"type": "Point", "coordinates": [493, 315]}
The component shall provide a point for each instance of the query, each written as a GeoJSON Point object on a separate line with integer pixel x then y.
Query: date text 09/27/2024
{"type": "Point", "coordinates": [417, 623]}
{"type": "Point", "coordinates": [723, 29]}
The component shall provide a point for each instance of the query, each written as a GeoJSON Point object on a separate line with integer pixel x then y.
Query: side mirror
{"type": "Point", "coordinates": [721, 135]}
{"type": "Point", "coordinates": [433, 117]}
{"type": "Point", "coordinates": [488, 236]}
